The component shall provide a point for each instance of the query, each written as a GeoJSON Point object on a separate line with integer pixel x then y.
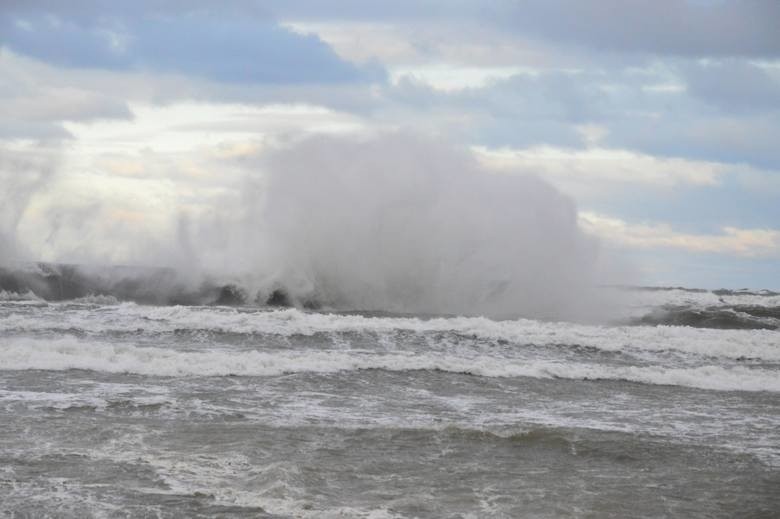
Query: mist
{"type": "Point", "coordinates": [392, 222]}
{"type": "Point", "coordinates": [22, 175]}
{"type": "Point", "coordinates": [404, 223]}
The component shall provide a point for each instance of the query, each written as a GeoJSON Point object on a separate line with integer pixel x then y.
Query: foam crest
{"type": "Point", "coordinates": [96, 299]}
{"type": "Point", "coordinates": [734, 344]}
{"type": "Point", "coordinates": [646, 298]}
{"type": "Point", "coordinates": [6, 295]}
{"type": "Point", "coordinates": [67, 353]}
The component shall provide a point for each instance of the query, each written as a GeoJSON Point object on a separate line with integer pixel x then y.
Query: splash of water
{"type": "Point", "coordinates": [392, 222]}
{"type": "Point", "coordinates": [22, 174]}
{"type": "Point", "coordinates": [403, 223]}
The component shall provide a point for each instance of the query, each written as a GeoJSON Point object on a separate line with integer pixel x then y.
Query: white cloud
{"type": "Point", "coordinates": [138, 177]}
{"type": "Point", "coordinates": [461, 44]}
{"type": "Point", "coordinates": [448, 78]}
{"type": "Point", "coordinates": [592, 134]}
{"type": "Point", "coordinates": [362, 42]}
{"type": "Point", "coordinates": [730, 241]}
{"type": "Point", "coordinates": [581, 171]}
{"type": "Point", "coordinates": [46, 104]}
{"type": "Point", "coordinates": [444, 57]}
{"type": "Point", "coordinates": [35, 91]}
{"type": "Point", "coordinates": [186, 126]}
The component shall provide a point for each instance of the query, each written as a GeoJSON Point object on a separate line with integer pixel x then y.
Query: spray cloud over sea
{"type": "Point", "coordinates": [21, 176]}
{"type": "Point", "coordinates": [393, 222]}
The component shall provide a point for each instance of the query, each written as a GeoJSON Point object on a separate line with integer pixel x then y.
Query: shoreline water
{"type": "Point", "coordinates": [122, 409]}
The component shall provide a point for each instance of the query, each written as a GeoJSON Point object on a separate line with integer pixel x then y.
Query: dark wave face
{"type": "Point", "coordinates": [159, 286]}
{"type": "Point", "coordinates": [718, 309]}
{"type": "Point", "coordinates": [717, 292]}
{"type": "Point", "coordinates": [725, 317]}
{"type": "Point", "coordinates": [697, 308]}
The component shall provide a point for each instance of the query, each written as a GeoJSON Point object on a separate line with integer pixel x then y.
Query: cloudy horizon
{"type": "Point", "coordinates": [124, 128]}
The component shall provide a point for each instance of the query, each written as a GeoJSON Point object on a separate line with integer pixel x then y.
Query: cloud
{"type": "Point", "coordinates": [420, 43]}
{"type": "Point", "coordinates": [645, 111]}
{"type": "Point", "coordinates": [134, 178]}
{"type": "Point", "coordinates": [750, 138]}
{"type": "Point", "coordinates": [733, 241]}
{"type": "Point", "coordinates": [734, 86]}
{"type": "Point", "coordinates": [38, 131]}
{"type": "Point", "coordinates": [674, 27]}
{"type": "Point", "coordinates": [40, 100]}
{"type": "Point", "coordinates": [636, 71]}
{"type": "Point", "coordinates": [193, 127]}
{"type": "Point", "coordinates": [36, 103]}
{"type": "Point", "coordinates": [670, 109]}
{"type": "Point", "coordinates": [554, 103]}
{"type": "Point", "coordinates": [687, 28]}
{"type": "Point", "coordinates": [604, 166]}
{"type": "Point", "coordinates": [522, 110]}
{"type": "Point", "coordinates": [64, 104]}
{"type": "Point", "coordinates": [225, 48]}
{"type": "Point", "coordinates": [697, 195]}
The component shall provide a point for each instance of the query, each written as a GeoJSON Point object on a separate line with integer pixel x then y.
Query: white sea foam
{"type": "Point", "coordinates": [128, 317]}
{"type": "Point", "coordinates": [690, 298]}
{"type": "Point", "coordinates": [70, 353]}
{"type": "Point", "coordinates": [96, 299]}
{"type": "Point", "coordinates": [16, 296]}
{"type": "Point", "coordinates": [637, 303]}
{"type": "Point", "coordinates": [277, 490]}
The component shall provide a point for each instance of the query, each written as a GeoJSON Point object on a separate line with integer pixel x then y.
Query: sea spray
{"type": "Point", "coordinates": [23, 173]}
{"type": "Point", "coordinates": [404, 223]}
{"type": "Point", "coordinates": [393, 222]}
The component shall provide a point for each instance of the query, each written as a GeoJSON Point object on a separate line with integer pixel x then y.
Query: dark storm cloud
{"type": "Point", "coordinates": [734, 86]}
{"type": "Point", "coordinates": [229, 49]}
{"type": "Point", "coordinates": [545, 108]}
{"type": "Point", "coordinates": [747, 140]}
{"type": "Point", "coordinates": [726, 111]}
{"type": "Point", "coordinates": [668, 27]}
{"type": "Point", "coordinates": [36, 130]}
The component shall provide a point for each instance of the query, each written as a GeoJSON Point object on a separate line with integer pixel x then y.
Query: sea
{"type": "Point", "coordinates": [112, 408]}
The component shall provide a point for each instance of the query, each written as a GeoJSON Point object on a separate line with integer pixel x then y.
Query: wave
{"type": "Point", "coordinates": [725, 317]}
{"type": "Point", "coordinates": [160, 286]}
{"type": "Point", "coordinates": [134, 319]}
{"type": "Point", "coordinates": [718, 292]}
{"type": "Point", "coordinates": [677, 296]}
{"type": "Point", "coordinates": [18, 296]}
{"type": "Point", "coordinates": [86, 402]}
{"type": "Point", "coordinates": [718, 309]}
{"type": "Point", "coordinates": [674, 306]}
{"type": "Point", "coordinates": [67, 354]}
{"type": "Point", "coordinates": [393, 222]}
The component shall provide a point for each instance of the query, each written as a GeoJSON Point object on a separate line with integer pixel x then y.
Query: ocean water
{"type": "Point", "coordinates": [118, 409]}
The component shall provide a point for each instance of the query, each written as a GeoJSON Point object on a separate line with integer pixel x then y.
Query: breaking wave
{"type": "Point", "coordinates": [138, 320]}
{"type": "Point", "coordinates": [18, 296]}
{"type": "Point", "coordinates": [737, 317]}
{"type": "Point", "coordinates": [392, 222]}
{"type": "Point", "coordinates": [66, 354]}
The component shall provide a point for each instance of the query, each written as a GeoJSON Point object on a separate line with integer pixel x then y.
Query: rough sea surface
{"type": "Point", "coordinates": [116, 409]}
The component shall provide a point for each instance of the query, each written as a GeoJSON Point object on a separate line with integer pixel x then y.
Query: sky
{"type": "Point", "coordinates": [123, 123]}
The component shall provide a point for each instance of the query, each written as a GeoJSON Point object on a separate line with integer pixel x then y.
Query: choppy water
{"type": "Point", "coordinates": [116, 409]}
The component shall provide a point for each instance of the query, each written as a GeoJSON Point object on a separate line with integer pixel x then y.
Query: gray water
{"type": "Point", "coordinates": [115, 409]}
